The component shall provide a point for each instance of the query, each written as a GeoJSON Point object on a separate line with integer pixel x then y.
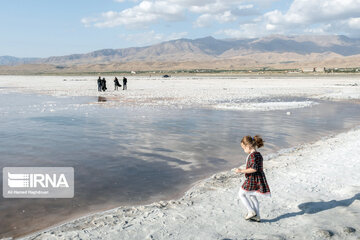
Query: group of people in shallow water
{"type": "Point", "coordinates": [102, 84]}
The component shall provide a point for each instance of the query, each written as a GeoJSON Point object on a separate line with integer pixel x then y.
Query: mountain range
{"type": "Point", "coordinates": [273, 50]}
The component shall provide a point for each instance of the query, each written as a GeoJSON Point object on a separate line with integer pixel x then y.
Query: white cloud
{"type": "Point", "coordinates": [248, 30]}
{"type": "Point", "coordinates": [318, 30]}
{"type": "Point", "coordinates": [146, 12]}
{"type": "Point", "coordinates": [207, 19]}
{"type": "Point", "coordinates": [226, 16]}
{"type": "Point", "coordinates": [249, 6]}
{"type": "Point", "coordinates": [232, 33]}
{"type": "Point", "coordinates": [354, 23]}
{"type": "Point", "coordinates": [304, 16]}
{"type": "Point", "coordinates": [151, 11]}
{"type": "Point", "coordinates": [151, 37]}
{"type": "Point", "coordinates": [207, 8]}
{"type": "Point", "coordinates": [305, 12]}
{"type": "Point", "coordinates": [204, 20]}
{"type": "Point", "coordinates": [270, 27]}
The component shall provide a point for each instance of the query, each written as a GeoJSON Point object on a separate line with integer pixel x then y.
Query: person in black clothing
{"type": "Point", "coordinates": [116, 83]}
{"type": "Point", "coordinates": [99, 84]}
{"type": "Point", "coordinates": [103, 84]}
{"type": "Point", "coordinates": [124, 83]}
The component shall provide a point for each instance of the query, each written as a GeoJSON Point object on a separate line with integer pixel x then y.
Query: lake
{"type": "Point", "coordinates": [129, 155]}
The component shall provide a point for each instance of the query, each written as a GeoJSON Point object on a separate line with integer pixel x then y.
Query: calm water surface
{"type": "Point", "coordinates": [132, 155]}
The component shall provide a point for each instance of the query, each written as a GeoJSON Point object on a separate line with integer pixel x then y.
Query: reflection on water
{"type": "Point", "coordinates": [126, 156]}
{"type": "Point", "coordinates": [102, 99]}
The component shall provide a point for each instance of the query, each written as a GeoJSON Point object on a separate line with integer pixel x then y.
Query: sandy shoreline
{"type": "Point", "coordinates": [310, 200]}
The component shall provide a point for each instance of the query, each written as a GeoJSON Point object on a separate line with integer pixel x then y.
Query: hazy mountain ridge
{"type": "Point", "coordinates": [210, 49]}
{"type": "Point", "coordinates": [10, 60]}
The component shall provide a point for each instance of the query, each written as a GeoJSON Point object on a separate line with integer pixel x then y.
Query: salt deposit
{"type": "Point", "coordinates": [219, 92]}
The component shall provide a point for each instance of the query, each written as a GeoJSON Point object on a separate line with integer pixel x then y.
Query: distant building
{"type": "Point", "coordinates": [305, 70]}
{"type": "Point", "coordinates": [313, 69]}
{"type": "Point", "coordinates": [133, 72]}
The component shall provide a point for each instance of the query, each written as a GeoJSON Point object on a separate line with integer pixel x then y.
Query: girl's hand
{"type": "Point", "coordinates": [238, 170]}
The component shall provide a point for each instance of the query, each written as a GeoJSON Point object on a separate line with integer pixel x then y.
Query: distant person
{"type": "Point", "coordinates": [124, 83]}
{"type": "Point", "coordinates": [99, 84]}
{"type": "Point", "coordinates": [103, 84]}
{"type": "Point", "coordinates": [117, 84]}
{"type": "Point", "coordinates": [255, 183]}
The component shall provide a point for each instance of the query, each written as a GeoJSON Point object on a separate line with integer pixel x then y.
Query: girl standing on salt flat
{"type": "Point", "coordinates": [255, 182]}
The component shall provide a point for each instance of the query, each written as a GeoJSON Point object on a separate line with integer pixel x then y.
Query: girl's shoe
{"type": "Point", "coordinates": [250, 215]}
{"type": "Point", "coordinates": [255, 218]}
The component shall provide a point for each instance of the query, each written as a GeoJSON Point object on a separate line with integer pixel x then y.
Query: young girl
{"type": "Point", "coordinates": [255, 182]}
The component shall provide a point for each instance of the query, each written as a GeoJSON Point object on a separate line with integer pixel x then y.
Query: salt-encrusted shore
{"type": "Point", "coordinates": [265, 93]}
{"type": "Point", "coordinates": [315, 195]}
{"type": "Point", "coordinates": [315, 187]}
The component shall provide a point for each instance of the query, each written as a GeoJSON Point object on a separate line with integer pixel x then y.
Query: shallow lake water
{"type": "Point", "coordinates": [128, 155]}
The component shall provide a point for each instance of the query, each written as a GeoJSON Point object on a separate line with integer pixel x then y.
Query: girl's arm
{"type": "Point", "coordinates": [249, 170]}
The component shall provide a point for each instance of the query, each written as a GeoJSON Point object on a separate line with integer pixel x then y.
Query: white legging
{"type": "Point", "coordinates": [250, 202]}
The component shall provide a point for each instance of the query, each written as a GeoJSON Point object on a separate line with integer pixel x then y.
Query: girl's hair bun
{"type": "Point", "coordinates": [257, 141]}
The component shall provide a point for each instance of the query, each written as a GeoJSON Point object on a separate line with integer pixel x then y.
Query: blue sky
{"type": "Point", "coordinates": [51, 28]}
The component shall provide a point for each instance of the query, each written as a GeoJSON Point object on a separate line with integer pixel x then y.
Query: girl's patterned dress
{"type": "Point", "coordinates": [255, 182]}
